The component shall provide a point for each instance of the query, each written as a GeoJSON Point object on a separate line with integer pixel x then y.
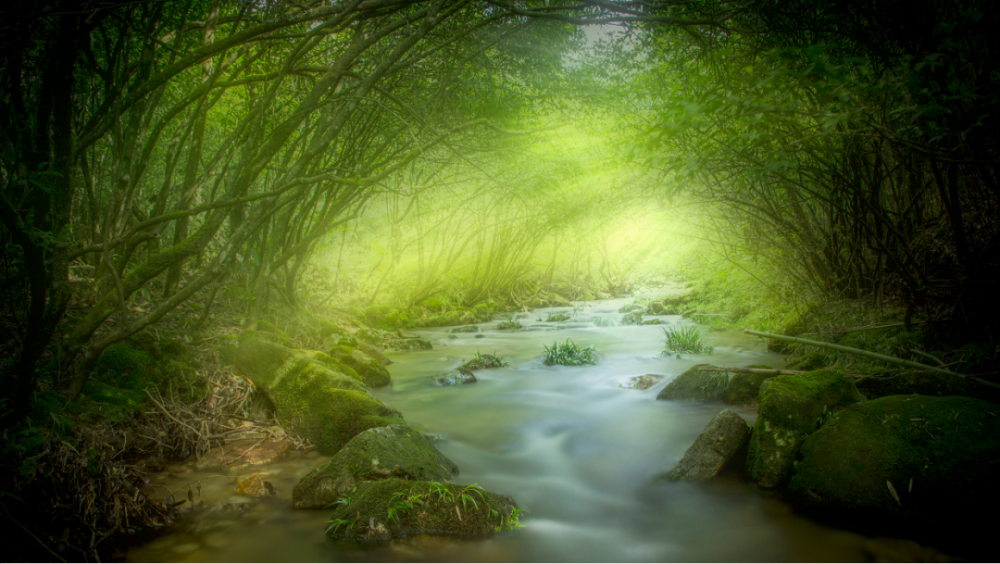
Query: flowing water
{"type": "Point", "coordinates": [570, 444]}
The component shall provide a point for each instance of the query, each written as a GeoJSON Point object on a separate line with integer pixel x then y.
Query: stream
{"type": "Point", "coordinates": [570, 444]}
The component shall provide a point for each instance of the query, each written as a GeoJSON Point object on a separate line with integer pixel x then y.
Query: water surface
{"type": "Point", "coordinates": [571, 445]}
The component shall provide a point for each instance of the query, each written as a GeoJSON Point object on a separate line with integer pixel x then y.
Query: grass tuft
{"type": "Point", "coordinates": [570, 354]}
{"type": "Point", "coordinates": [510, 324]}
{"type": "Point", "coordinates": [685, 340]}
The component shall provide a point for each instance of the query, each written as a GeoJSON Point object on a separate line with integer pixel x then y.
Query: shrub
{"type": "Point", "coordinates": [570, 354]}
{"type": "Point", "coordinates": [557, 317]}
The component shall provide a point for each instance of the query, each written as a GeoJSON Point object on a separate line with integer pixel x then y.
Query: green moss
{"type": "Point", "coordinates": [744, 388]}
{"type": "Point", "coordinates": [370, 371]}
{"type": "Point", "coordinates": [396, 451]}
{"type": "Point", "coordinates": [792, 408]}
{"type": "Point", "coordinates": [325, 406]}
{"type": "Point", "coordinates": [378, 511]}
{"type": "Point", "coordinates": [941, 454]}
{"type": "Point", "coordinates": [695, 384]}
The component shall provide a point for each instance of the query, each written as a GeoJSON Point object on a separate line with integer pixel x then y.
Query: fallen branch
{"type": "Point", "coordinates": [766, 371]}
{"type": "Point", "coordinates": [869, 354]}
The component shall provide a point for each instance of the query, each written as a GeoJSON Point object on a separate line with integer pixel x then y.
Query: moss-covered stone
{"type": "Point", "coordinates": [371, 371]}
{"type": "Point", "coordinates": [372, 351]}
{"type": "Point", "coordinates": [791, 409]}
{"type": "Point", "coordinates": [696, 385]}
{"type": "Point", "coordinates": [415, 344]}
{"type": "Point", "coordinates": [940, 454]}
{"type": "Point", "coordinates": [396, 451]}
{"type": "Point", "coordinates": [925, 383]}
{"type": "Point", "coordinates": [643, 382]}
{"type": "Point", "coordinates": [723, 439]}
{"type": "Point", "coordinates": [325, 406]}
{"type": "Point", "coordinates": [382, 510]}
{"type": "Point", "coordinates": [454, 378]}
{"type": "Point", "coordinates": [744, 388]}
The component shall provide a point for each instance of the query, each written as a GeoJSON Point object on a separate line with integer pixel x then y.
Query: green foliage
{"type": "Point", "coordinates": [511, 323]}
{"type": "Point", "coordinates": [570, 354]}
{"type": "Point", "coordinates": [558, 317]}
{"type": "Point", "coordinates": [685, 340]}
{"type": "Point", "coordinates": [627, 308]}
{"type": "Point", "coordinates": [483, 361]}
{"type": "Point", "coordinates": [632, 318]}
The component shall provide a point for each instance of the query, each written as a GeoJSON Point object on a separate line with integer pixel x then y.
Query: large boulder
{"type": "Point", "coordinates": [382, 510]}
{"type": "Point", "coordinates": [309, 397]}
{"type": "Point", "coordinates": [791, 409]}
{"type": "Point", "coordinates": [929, 459]}
{"type": "Point", "coordinates": [396, 451]}
{"type": "Point", "coordinates": [744, 387]}
{"type": "Point", "coordinates": [696, 384]}
{"type": "Point", "coordinates": [718, 446]}
{"type": "Point", "coordinates": [372, 373]}
{"type": "Point", "coordinates": [925, 383]}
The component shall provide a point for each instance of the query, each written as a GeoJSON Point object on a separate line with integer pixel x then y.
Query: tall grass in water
{"type": "Point", "coordinates": [686, 340]}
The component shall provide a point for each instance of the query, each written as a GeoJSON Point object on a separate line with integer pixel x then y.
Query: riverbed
{"type": "Point", "coordinates": [577, 448]}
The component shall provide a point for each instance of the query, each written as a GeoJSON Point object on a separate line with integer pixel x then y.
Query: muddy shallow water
{"type": "Point", "coordinates": [571, 445]}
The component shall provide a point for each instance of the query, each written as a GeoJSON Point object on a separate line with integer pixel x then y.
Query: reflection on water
{"type": "Point", "coordinates": [568, 443]}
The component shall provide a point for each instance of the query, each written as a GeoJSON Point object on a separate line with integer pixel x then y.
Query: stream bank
{"type": "Point", "coordinates": [574, 445]}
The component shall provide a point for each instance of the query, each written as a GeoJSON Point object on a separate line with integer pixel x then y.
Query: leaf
{"type": "Point", "coordinates": [892, 490]}
{"type": "Point", "coordinates": [911, 486]}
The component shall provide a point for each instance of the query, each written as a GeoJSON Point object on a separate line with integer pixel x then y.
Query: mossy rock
{"type": "Point", "coordinates": [721, 444]}
{"type": "Point", "coordinates": [310, 399]}
{"type": "Point", "coordinates": [382, 510]}
{"type": "Point", "coordinates": [454, 378]}
{"type": "Point", "coordinates": [415, 344]}
{"type": "Point", "coordinates": [696, 385]}
{"type": "Point", "coordinates": [643, 382]}
{"type": "Point", "coordinates": [652, 322]}
{"type": "Point", "coordinates": [925, 383]}
{"type": "Point", "coordinates": [333, 364]}
{"type": "Point", "coordinates": [396, 451]}
{"type": "Point", "coordinates": [744, 388]}
{"type": "Point", "coordinates": [941, 455]}
{"type": "Point", "coordinates": [371, 371]}
{"type": "Point", "coordinates": [633, 318]}
{"type": "Point", "coordinates": [372, 351]}
{"type": "Point", "coordinates": [466, 329]}
{"type": "Point", "coordinates": [791, 409]}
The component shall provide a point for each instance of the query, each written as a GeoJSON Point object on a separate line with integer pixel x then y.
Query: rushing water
{"type": "Point", "coordinates": [570, 444]}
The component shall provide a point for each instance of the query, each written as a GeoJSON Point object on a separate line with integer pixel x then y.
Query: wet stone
{"type": "Point", "coordinates": [254, 486]}
{"type": "Point", "coordinates": [643, 382]}
{"type": "Point", "coordinates": [466, 329]}
{"type": "Point", "coordinates": [453, 379]}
